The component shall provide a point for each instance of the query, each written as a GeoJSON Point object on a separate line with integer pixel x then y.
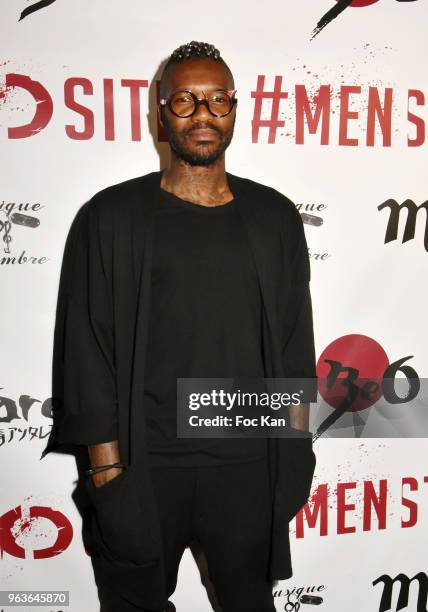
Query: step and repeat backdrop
{"type": "Point", "coordinates": [332, 112]}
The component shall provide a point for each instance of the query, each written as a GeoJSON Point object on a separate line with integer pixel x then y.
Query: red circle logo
{"type": "Point", "coordinates": [362, 2]}
{"type": "Point", "coordinates": [357, 358]}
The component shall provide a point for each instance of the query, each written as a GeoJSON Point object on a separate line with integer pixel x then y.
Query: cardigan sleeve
{"type": "Point", "coordinates": [84, 397]}
{"type": "Point", "coordinates": [296, 455]}
{"type": "Point", "coordinates": [298, 348]}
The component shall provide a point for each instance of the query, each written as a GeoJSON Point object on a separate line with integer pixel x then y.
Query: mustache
{"type": "Point", "coordinates": [201, 126]}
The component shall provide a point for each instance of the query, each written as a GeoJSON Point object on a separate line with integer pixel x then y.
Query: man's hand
{"type": "Point", "coordinates": [299, 417]}
{"type": "Point", "coordinates": [103, 454]}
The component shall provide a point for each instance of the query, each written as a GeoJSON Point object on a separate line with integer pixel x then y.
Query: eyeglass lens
{"type": "Point", "coordinates": [183, 104]}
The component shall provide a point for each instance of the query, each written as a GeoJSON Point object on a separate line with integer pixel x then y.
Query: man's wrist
{"type": "Point", "coordinates": [100, 456]}
{"type": "Point", "coordinates": [102, 477]}
{"type": "Point", "coordinates": [101, 468]}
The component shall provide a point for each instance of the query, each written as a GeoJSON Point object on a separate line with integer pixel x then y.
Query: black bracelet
{"type": "Point", "coordinates": [102, 468]}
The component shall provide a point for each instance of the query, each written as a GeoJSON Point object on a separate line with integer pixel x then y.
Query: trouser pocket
{"type": "Point", "coordinates": [121, 526]}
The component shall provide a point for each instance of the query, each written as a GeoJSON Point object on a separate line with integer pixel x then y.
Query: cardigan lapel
{"type": "Point", "coordinates": [258, 227]}
{"type": "Point", "coordinates": [143, 254]}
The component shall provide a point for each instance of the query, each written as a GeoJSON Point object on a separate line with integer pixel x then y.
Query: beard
{"type": "Point", "coordinates": [207, 154]}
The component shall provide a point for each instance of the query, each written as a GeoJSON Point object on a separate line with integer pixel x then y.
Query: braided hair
{"type": "Point", "coordinates": [193, 50]}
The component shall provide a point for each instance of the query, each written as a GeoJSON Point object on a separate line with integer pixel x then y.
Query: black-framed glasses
{"type": "Point", "coordinates": [185, 103]}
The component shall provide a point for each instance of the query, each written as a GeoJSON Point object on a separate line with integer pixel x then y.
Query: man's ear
{"type": "Point", "coordinates": [160, 116]}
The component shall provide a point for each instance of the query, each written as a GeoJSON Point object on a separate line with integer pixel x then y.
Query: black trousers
{"type": "Point", "coordinates": [228, 510]}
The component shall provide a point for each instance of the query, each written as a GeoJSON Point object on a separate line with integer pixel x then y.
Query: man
{"type": "Point", "coordinates": [185, 273]}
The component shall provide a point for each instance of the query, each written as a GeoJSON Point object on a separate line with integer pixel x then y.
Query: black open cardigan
{"type": "Point", "coordinates": [99, 357]}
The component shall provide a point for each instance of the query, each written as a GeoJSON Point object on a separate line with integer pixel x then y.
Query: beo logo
{"type": "Point", "coordinates": [354, 372]}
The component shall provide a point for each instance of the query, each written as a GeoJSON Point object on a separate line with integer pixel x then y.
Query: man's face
{"type": "Point", "coordinates": [197, 148]}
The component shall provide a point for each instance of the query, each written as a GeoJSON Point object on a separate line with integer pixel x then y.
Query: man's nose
{"type": "Point", "coordinates": [202, 112]}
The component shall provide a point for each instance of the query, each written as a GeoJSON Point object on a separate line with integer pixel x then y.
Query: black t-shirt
{"type": "Point", "coordinates": [205, 321]}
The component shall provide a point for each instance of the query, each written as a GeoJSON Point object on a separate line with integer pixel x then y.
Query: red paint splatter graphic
{"type": "Point", "coordinates": [21, 522]}
{"type": "Point", "coordinates": [42, 99]}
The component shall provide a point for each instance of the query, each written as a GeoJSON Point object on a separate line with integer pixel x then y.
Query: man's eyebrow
{"type": "Point", "coordinates": [204, 89]}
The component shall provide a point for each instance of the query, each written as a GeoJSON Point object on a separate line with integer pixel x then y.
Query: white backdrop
{"type": "Point", "coordinates": [368, 295]}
